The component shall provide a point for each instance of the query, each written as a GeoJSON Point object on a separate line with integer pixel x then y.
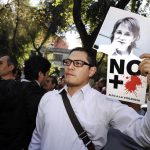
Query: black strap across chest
{"type": "Point", "coordinates": [75, 122]}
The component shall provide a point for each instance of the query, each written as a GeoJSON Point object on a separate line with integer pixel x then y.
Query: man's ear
{"type": "Point", "coordinates": [92, 71]}
{"type": "Point", "coordinates": [40, 77]}
{"type": "Point", "coordinates": [40, 74]}
{"type": "Point", "coordinates": [11, 67]}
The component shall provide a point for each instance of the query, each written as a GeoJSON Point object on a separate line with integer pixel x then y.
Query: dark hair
{"type": "Point", "coordinates": [91, 57]}
{"type": "Point", "coordinates": [133, 27]}
{"type": "Point", "coordinates": [34, 65]}
{"type": "Point", "coordinates": [54, 80]}
{"type": "Point", "coordinates": [11, 61]}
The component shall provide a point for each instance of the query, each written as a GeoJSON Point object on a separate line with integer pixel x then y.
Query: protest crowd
{"type": "Point", "coordinates": [33, 116]}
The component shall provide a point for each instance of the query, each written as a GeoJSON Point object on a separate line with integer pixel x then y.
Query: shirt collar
{"type": "Point", "coordinates": [25, 80]}
{"type": "Point", "coordinates": [84, 89]}
{"type": "Point", "coordinates": [37, 82]}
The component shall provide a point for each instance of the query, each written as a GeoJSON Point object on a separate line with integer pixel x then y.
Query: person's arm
{"type": "Point", "coordinates": [142, 129]}
{"type": "Point", "coordinates": [128, 121]}
{"type": "Point", "coordinates": [145, 68]}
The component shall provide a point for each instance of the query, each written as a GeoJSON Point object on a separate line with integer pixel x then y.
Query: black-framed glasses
{"type": "Point", "coordinates": [76, 63]}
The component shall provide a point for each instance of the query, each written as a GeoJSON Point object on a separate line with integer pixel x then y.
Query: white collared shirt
{"type": "Point", "coordinates": [96, 113]}
{"type": "Point", "coordinates": [25, 80]}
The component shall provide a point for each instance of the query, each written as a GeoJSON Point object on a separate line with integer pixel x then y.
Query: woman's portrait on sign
{"type": "Point", "coordinates": [125, 33]}
{"type": "Point", "coordinates": [122, 34]}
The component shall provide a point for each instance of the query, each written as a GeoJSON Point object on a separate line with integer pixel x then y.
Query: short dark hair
{"type": "Point", "coordinates": [34, 65]}
{"type": "Point", "coordinates": [91, 57]}
{"type": "Point", "coordinates": [11, 61]}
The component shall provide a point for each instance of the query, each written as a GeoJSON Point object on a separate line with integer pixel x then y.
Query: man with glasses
{"type": "Point", "coordinates": [76, 63]}
{"type": "Point", "coordinates": [95, 112]}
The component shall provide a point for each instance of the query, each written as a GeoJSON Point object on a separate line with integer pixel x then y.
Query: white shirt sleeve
{"type": "Point", "coordinates": [132, 124]}
{"type": "Point", "coordinates": [140, 131]}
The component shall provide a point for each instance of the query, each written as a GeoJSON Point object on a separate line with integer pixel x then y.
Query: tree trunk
{"type": "Point", "coordinates": [88, 40]}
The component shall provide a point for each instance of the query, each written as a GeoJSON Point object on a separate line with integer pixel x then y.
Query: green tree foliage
{"type": "Point", "coordinates": [25, 28]}
{"type": "Point", "coordinates": [13, 36]}
{"type": "Point", "coordinates": [88, 15]}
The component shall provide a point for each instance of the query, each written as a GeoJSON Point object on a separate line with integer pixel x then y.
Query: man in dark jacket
{"type": "Point", "coordinates": [36, 72]}
{"type": "Point", "coordinates": [12, 116]}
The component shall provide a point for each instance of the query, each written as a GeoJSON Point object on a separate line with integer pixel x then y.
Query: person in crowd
{"type": "Point", "coordinates": [61, 82]}
{"type": "Point", "coordinates": [95, 112]}
{"type": "Point", "coordinates": [125, 33]}
{"type": "Point", "coordinates": [8, 63]}
{"type": "Point", "coordinates": [51, 83]}
{"type": "Point", "coordinates": [12, 115]}
{"type": "Point", "coordinates": [36, 73]}
{"type": "Point", "coordinates": [100, 85]}
{"type": "Point", "coordinates": [18, 74]}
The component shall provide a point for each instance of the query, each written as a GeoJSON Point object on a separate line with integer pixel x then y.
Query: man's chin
{"type": "Point", "coordinates": [70, 84]}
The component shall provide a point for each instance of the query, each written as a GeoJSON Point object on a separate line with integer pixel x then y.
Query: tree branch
{"type": "Point", "coordinates": [122, 4]}
{"type": "Point", "coordinates": [78, 22]}
{"type": "Point", "coordinates": [16, 27]}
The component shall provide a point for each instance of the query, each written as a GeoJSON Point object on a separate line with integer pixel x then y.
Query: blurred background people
{"type": "Point", "coordinates": [12, 114]}
{"type": "Point", "coordinates": [50, 83]}
{"type": "Point", "coordinates": [61, 82]}
{"type": "Point", "coordinates": [8, 66]}
{"type": "Point", "coordinates": [36, 73]}
{"type": "Point", "coordinates": [100, 85]}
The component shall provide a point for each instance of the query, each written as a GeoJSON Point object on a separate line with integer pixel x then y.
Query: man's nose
{"type": "Point", "coordinates": [71, 65]}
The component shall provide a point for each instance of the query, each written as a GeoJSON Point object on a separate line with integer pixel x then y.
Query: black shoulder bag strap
{"type": "Point", "coordinates": [75, 122]}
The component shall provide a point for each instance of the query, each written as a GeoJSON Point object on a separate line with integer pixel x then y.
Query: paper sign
{"type": "Point", "coordinates": [124, 36]}
{"type": "Point", "coordinates": [124, 81]}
